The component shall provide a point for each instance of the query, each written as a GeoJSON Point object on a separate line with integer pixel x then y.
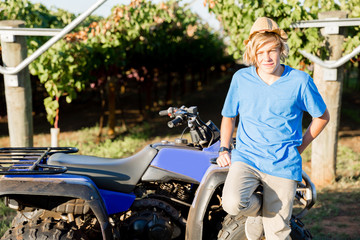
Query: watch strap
{"type": "Point", "coordinates": [224, 149]}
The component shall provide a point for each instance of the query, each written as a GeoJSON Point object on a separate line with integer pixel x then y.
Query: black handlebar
{"type": "Point", "coordinates": [173, 123]}
{"type": "Point", "coordinates": [202, 134]}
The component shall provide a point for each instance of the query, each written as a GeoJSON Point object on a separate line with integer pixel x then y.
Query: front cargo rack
{"type": "Point", "coordinates": [30, 160]}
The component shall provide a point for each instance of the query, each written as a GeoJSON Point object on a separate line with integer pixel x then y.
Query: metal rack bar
{"type": "Point", "coordinates": [39, 159]}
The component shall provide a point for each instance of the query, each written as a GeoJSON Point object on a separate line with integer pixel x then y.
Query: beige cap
{"type": "Point", "coordinates": [264, 24]}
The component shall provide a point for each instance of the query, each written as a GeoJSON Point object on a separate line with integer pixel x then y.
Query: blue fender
{"type": "Point", "coordinates": [214, 177]}
{"type": "Point", "coordinates": [187, 163]}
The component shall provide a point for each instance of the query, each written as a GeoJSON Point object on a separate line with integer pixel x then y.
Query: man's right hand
{"type": "Point", "coordinates": [224, 159]}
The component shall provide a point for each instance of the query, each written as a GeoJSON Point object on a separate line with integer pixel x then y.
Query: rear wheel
{"type": "Point", "coordinates": [47, 228]}
{"type": "Point", "coordinates": [233, 228]}
{"type": "Point", "coordinates": [26, 216]}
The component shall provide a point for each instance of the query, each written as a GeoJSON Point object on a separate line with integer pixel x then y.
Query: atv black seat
{"type": "Point", "coordinates": [111, 174]}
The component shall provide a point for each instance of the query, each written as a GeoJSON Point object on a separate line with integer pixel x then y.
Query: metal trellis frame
{"type": "Point", "coordinates": [331, 26]}
{"type": "Point", "coordinates": [8, 34]}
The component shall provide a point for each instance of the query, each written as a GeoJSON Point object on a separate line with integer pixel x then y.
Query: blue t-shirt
{"type": "Point", "coordinates": [270, 119]}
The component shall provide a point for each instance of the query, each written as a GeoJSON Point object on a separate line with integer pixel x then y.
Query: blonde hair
{"type": "Point", "coordinates": [259, 40]}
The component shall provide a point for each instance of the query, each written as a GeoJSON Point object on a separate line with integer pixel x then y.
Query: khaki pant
{"type": "Point", "coordinates": [275, 205]}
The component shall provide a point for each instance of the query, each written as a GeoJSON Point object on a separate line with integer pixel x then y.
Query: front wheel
{"type": "Point", "coordinates": [233, 228]}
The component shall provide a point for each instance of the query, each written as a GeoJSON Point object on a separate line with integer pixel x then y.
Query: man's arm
{"type": "Point", "coordinates": [226, 132]}
{"type": "Point", "coordinates": [314, 129]}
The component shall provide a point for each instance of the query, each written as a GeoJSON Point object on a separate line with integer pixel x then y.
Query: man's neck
{"type": "Point", "coordinates": [270, 78]}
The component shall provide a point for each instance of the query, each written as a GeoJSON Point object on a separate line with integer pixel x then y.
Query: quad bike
{"type": "Point", "coordinates": [168, 190]}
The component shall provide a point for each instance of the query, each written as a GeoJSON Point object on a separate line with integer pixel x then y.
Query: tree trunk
{"type": "Point", "coordinates": [357, 86]}
{"type": "Point", "coordinates": [169, 80]}
{"type": "Point", "coordinates": [112, 107]}
{"type": "Point", "coordinates": [182, 79]}
{"type": "Point", "coordinates": [102, 114]}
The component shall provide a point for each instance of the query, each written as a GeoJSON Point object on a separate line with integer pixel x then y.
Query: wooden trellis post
{"type": "Point", "coordinates": [17, 88]}
{"type": "Point", "coordinates": [329, 83]}
{"type": "Point", "coordinates": [328, 76]}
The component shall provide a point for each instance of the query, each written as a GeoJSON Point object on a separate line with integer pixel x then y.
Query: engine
{"type": "Point", "coordinates": [151, 225]}
{"type": "Point", "coordinates": [153, 219]}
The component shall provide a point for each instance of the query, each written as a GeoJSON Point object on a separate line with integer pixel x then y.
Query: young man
{"type": "Point", "coordinates": [269, 99]}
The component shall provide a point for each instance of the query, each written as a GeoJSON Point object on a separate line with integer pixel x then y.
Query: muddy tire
{"type": "Point", "coordinates": [43, 229]}
{"type": "Point", "coordinates": [233, 228]}
{"type": "Point", "coordinates": [26, 216]}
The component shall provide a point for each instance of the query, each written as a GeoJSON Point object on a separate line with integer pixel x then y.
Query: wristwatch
{"type": "Point", "coordinates": [223, 149]}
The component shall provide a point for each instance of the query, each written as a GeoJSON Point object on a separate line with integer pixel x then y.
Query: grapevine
{"type": "Point", "coordinates": [137, 42]}
{"type": "Point", "coordinates": [237, 17]}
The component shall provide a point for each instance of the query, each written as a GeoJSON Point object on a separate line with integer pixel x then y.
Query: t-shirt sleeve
{"type": "Point", "coordinates": [231, 105]}
{"type": "Point", "coordinates": [312, 102]}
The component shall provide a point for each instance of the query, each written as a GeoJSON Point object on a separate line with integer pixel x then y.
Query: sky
{"type": "Point", "coordinates": [79, 6]}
